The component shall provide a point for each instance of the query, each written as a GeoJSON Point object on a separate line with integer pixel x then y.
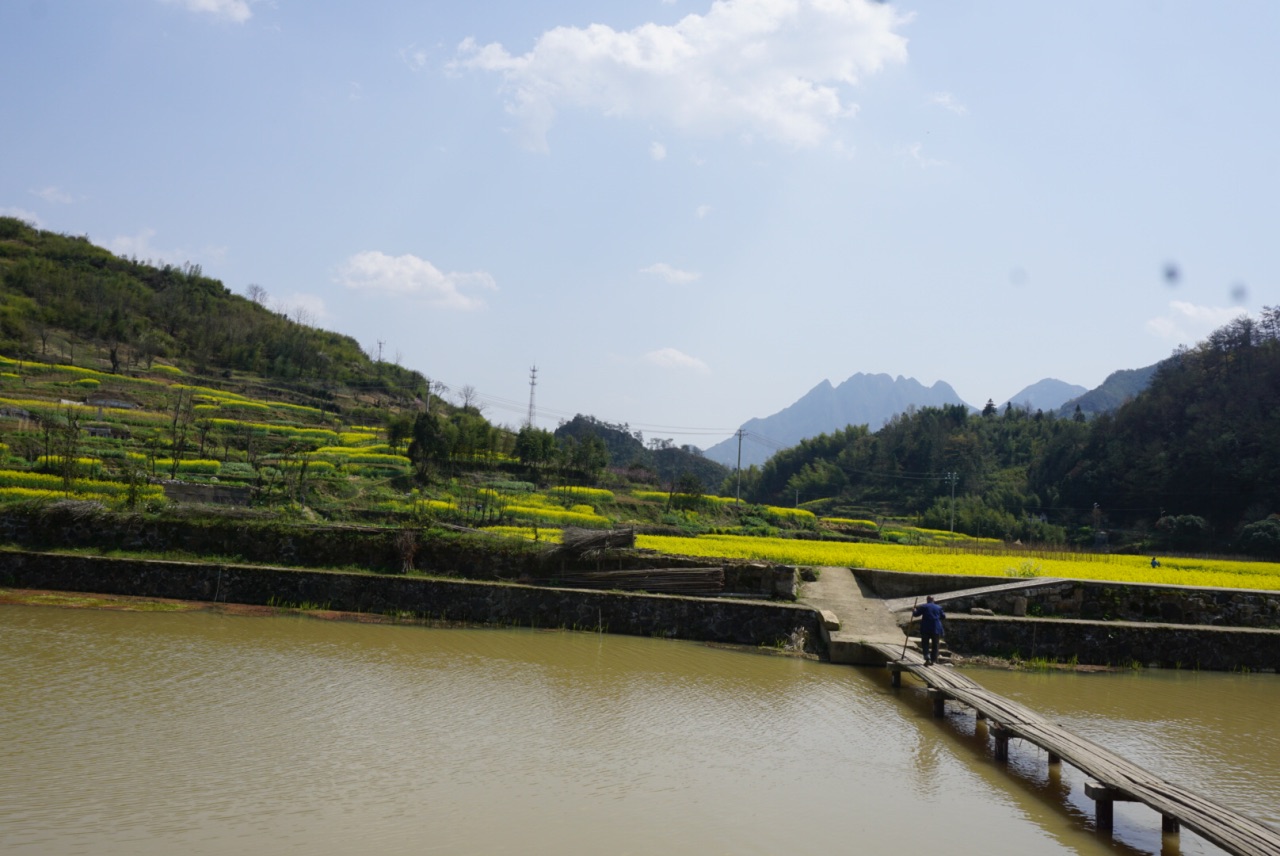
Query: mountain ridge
{"type": "Point", "coordinates": [862, 399]}
{"type": "Point", "coordinates": [874, 399]}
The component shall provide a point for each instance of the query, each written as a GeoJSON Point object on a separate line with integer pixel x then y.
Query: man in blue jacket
{"type": "Point", "coordinates": [930, 615]}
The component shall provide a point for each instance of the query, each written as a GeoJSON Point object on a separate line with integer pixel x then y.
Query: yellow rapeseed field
{"type": "Point", "coordinates": [943, 560]}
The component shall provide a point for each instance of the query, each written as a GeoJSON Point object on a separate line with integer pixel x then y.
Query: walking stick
{"type": "Point", "coordinates": [906, 637]}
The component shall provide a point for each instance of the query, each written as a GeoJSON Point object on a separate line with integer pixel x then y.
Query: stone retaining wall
{"type": "Point", "coordinates": [476, 602]}
{"type": "Point", "coordinates": [1115, 643]}
{"type": "Point", "coordinates": [1089, 599]}
{"type": "Point", "coordinates": [1102, 601]}
{"type": "Point", "coordinates": [364, 547]}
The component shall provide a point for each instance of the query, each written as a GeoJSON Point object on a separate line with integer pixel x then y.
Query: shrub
{"type": "Point", "coordinates": [237, 470]}
{"type": "Point", "coordinates": [1262, 538]}
{"type": "Point", "coordinates": [1183, 532]}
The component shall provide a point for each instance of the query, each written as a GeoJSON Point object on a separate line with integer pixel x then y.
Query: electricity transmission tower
{"type": "Point", "coordinates": [533, 383]}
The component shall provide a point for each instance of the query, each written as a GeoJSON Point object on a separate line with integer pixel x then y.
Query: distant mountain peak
{"type": "Point", "coordinates": [861, 399]}
{"type": "Point", "coordinates": [1048, 395]}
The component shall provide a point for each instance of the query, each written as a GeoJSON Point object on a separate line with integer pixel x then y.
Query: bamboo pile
{"type": "Point", "coordinates": [578, 541]}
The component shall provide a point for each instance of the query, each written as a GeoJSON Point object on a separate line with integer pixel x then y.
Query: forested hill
{"type": "Point", "coordinates": [1192, 458]}
{"type": "Point", "coordinates": [1118, 388]}
{"type": "Point", "coordinates": [62, 292]}
{"type": "Point", "coordinates": [627, 451]}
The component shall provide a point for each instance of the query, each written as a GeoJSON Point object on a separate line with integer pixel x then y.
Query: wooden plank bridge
{"type": "Point", "coordinates": [1113, 778]}
{"type": "Point", "coordinates": [859, 629]}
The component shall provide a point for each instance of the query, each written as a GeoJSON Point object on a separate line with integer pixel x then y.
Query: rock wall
{"type": "Point", "coordinates": [1115, 643]}
{"type": "Point", "coordinates": [363, 547]}
{"type": "Point", "coordinates": [707, 619]}
{"type": "Point", "coordinates": [1089, 599]}
{"type": "Point", "coordinates": [206, 494]}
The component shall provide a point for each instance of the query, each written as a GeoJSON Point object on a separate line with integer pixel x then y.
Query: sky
{"type": "Point", "coordinates": [684, 213]}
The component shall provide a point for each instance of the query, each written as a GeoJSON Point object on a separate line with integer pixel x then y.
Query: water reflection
{"type": "Point", "coordinates": [151, 733]}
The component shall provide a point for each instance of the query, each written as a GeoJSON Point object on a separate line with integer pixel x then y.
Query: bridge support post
{"type": "Point", "coordinates": [1054, 759]}
{"type": "Point", "coordinates": [1104, 800]}
{"type": "Point", "coordinates": [1002, 742]}
{"type": "Point", "coordinates": [1169, 825]}
{"type": "Point", "coordinates": [939, 702]}
{"type": "Point", "coordinates": [1105, 813]}
{"type": "Point", "coordinates": [897, 675]}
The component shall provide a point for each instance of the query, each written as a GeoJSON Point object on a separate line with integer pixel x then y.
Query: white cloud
{"type": "Point", "coordinates": [1186, 323]}
{"type": "Point", "coordinates": [304, 308]}
{"type": "Point", "coordinates": [670, 358]}
{"type": "Point", "coordinates": [657, 151]}
{"type": "Point", "coordinates": [947, 101]}
{"type": "Point", "coordinates": [671, 274]}
{"type": "Point", "coordinates": [777, 68]}
{"type": "Point", "coordinates": [53, 194]}
{"type": "Point", "coordinates": [237, 11]}
{"type": "Point", "coordinates": [916, 150]}
{"type": "Point", "coordinates": [702, 211]}
{"type": "Point", "coordinates": [410, 276]}
{"type": "Point", "coordinates": [22, 214]}
{"type": "Point", "coordinates": [139, 246]}
{"type": "Point", "coordinates": [414, 57]}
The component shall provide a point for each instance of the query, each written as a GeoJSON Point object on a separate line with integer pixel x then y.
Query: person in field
{"type": "Point", "coordinates": [931, 616]}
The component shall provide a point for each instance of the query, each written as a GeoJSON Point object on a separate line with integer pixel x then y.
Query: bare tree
{"type": "Point", "coordinates": [68, 446]}
{"type": "Point", "coordinates": [178, 429]}
{"type": "Point", "coordinates": [470, 398]}
{"type": "Point", "coordinates": [256, 293]}
{"type": "Point", "coordinates": [303, 316]}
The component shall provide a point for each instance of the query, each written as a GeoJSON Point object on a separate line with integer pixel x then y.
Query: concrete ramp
{"type": "Point", "coordinates": [854, 621]}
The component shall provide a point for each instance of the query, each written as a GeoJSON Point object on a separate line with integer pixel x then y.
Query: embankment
{"type": "Point", "coordinates": [255, 540]}
{"type": "Point", "coordinates": [727, 621]}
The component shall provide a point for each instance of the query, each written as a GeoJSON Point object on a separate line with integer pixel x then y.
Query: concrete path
{"type": "Point", "coordinates": [853, 617]}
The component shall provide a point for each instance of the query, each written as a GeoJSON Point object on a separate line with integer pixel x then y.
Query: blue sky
{"type": "Point", "coordinates": [686, 214]}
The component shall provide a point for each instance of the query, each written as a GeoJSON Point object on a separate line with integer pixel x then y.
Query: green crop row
{"type": "Point", "coordinates": [591, 494]}
{"type": "Point", "coordinates": [557, 515]}
{"type": "Point", "coordinates": [195, 466]}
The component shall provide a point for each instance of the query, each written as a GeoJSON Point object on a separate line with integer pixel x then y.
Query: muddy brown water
{"type": "Point", "coordinates": [199, 733]}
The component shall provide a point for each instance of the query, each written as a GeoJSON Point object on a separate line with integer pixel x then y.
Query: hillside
{"type": "Point", "coordinates": [61, 296]}
{"type": "Point", "coordinates": [661, 462]}
{"type": "Point", "coordinates": [1119, 387]}
{"type": "Point", "coordinates": [136, 386]}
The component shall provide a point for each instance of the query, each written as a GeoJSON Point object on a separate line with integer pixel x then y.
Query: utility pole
{"type": "Point", "coordinates": [951, 477]}
{"type": "Point", "coordinates": [737, 497]}
{"type": "Point", "coordinates": [533, 383]}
